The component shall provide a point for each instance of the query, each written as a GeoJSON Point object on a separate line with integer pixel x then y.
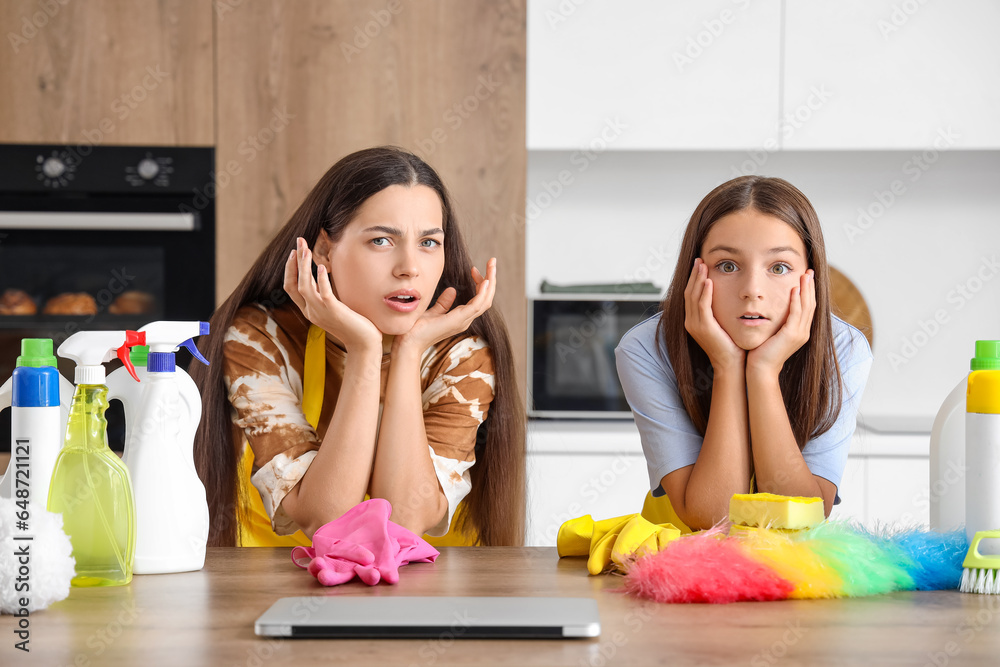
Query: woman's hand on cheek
{"type": "Point", "coordinates": [440, 321]}
{"type": "Point", "coordinates": [772, 354]}
{"type": "Point", "coordinates": [315, 298]}
{"type": "Point", "coordinates": [700, 322]}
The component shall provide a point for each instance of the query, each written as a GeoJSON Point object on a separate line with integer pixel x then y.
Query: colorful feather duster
{"type": "Point", "coordinates": [792, 560]}
{"type": "Point", "coordinates": [704, 567]}
{"type": "Point", "coordinates": [835, 559]}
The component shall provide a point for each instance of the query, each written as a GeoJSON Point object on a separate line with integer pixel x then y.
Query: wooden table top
{"type": "Point", "coordinates": [207, 618]}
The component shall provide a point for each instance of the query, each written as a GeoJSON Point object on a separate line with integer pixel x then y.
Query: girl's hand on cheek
{"type": "Point", "coordinates": [440, 321]}
{"type": "Point", "coordinates": [315, 298]}
{"type": "Point", "coordinates": [700, 322]}
{"type": "Point", "coordinates": [772, 354]}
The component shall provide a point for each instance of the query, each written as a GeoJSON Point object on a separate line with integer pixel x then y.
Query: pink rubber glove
{"type": "Point", "coordinates": [362, 543]}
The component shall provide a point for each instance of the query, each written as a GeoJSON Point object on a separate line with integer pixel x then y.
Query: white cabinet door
{"type": "Point", "coordinates": [898, 491]}
{"type": "Point", "coordinates": [566, 486]}
{"type": "Point", "coordinates": [853, 492]}
{"type": "Point", "coordinates": [886, 74]}
{"type": "Point", "coordinates": [647, 74]}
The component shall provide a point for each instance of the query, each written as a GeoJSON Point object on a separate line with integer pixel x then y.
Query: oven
{"type": "Point", "coordinates": [102, 237]}
{"type": "Point", "coordinates": [571, 356]}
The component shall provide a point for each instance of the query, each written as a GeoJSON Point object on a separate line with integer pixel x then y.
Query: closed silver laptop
{"type": "Point", "coordinates": [343, 616]}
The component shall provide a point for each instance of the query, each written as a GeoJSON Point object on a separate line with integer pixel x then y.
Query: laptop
{"type": "Point", "coordinates": [392, 617]}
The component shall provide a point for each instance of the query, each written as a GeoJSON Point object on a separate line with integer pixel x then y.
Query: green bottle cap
{"type": "Point", "coordinates": [987, 356]}
{"type": "Point", "coordinates": [139, 355]}
{"type": "Point", "coordinates": [36, 352]}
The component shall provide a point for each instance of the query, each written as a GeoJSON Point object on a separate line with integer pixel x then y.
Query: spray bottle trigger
{"type": "Point", "coordinates": [132, 338]}
{"type": "Point", "coordinates": [124, 356]}
{"type": "Point", "coordinates": [193, 349]}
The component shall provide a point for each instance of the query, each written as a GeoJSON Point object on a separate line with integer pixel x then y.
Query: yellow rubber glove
{"type": "Point", "coordinates": [640, 537]}
{"type": "Point", "coordinates": [601, 545]}
{"type": "Point", "coordinates": [616, 540]}
{"type": "Point", "coordinates": [578, 536]}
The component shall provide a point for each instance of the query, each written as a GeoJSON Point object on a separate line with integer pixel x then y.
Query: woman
{"type": "Point", "coordinates": [406, 377]}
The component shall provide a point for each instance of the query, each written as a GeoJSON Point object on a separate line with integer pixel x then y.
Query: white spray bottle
{"type": "Point", "coordinates": [171, 507]}
{"type": "Point", "coordinates": [122, 387]}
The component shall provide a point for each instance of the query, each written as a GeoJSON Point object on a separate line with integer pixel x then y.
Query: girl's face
{"type": "Point", "coordinates": [754, 261]}
{"type": "Point", "coordinates": [387, 264]}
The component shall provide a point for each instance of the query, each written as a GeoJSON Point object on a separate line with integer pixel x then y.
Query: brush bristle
{"type": "Point", "coordinates": [980, 580]}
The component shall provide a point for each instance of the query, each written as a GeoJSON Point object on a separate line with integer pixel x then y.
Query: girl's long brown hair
{"type": "Point", "coordinates": [810, 379]}
{"type": "Point", "coordinates": [494, 509]}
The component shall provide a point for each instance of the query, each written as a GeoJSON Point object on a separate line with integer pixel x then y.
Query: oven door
{"type": "Point", "coordinates": [117, 265]}
{"type": "Point", "coordinates": [571, 363]}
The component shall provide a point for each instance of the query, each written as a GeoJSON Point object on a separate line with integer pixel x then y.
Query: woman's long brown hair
{"type": "Point", "coordinates": [494, 509]}
{"type": "Point", "coordinates": [810, 379]}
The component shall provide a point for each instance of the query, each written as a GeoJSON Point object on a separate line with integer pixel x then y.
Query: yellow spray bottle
{"type": "Point", "coordinates": [90, 485]}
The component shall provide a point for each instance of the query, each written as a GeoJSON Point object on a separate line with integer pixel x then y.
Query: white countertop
{"type": "Point", "coordinates": [557, 436]}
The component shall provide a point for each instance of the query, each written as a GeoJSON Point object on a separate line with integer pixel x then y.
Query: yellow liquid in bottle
{"type": "Point", "coordinates": [92, 490]}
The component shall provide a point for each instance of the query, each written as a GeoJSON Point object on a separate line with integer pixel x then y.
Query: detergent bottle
{"type": "Point", "coordinates": [39, 399]}
{"type": "Point", "coordinates": [982, 444]}
{"type": "Point", "coordinates": [90, 485]}
{"type": "Point", "coordinates": [171, 509]}
{"type": "Point", "coordinates": [947, 462]}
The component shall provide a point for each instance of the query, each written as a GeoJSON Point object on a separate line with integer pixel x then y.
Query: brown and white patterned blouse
{"type": "Point", "coordinates": [264, 351]}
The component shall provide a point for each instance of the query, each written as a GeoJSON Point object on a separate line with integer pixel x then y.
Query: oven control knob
{"type": "Point", "coordinates": [53, 167]}
{"type": "Point", "coordinates": [148, 169]}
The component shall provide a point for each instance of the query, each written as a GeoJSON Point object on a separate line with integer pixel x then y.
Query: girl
{"type": "Point", "coordinates": [364, 377]}
{"type": "Point", "coordinates": [745, 381]}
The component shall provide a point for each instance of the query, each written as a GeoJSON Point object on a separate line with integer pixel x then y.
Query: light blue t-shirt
{"type": "Point", "coordinates": [669, 439]}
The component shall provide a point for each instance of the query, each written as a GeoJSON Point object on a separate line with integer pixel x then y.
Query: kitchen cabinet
{"type": "Point", "coordinates": [893, 75]}
{"type": "Point", "coordinates": [107, 72]}
{"type": "Point", "coordinates": [898, 491]}
{"type": "Point", "coordinates": [597, 468]}
{"type": "Point", "coordinates": [642, 74]}
{"type": "Point", "coordinates": [581, 467]}
{"type": "Point", "coordinates": [302, 84]}
{"type": "Point", "coordinates": [853, 492]}
{"type": "Point", "coordinates": [763, 75]}
{"type": "Point", "coordinates": [571, 484]}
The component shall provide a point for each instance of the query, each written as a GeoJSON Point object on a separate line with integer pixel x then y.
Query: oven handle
{"type": "Point", "coordinates": [77, 220]}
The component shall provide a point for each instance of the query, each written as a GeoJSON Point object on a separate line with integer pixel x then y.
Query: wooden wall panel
{"type": "Point", "coordinates": [107, 72]}
{"type": "Point", "coordinates": [301, 84]}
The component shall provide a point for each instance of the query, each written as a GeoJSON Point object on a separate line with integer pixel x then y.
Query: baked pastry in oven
{"type": "Point", "coordinates": [132, 302]}
{"type": "Point", "coordinates": [71, 303]}
{"type": "Point", "coordinates": [17, 302]}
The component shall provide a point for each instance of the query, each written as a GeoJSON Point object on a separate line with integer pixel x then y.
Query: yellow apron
{"type": "Point", "coordinates": [255, 529]}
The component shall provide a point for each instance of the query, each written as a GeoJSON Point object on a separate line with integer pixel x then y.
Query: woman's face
{"type": "Point", "coordinates": [754, 261]}
{"type": "Point", "coordinates": [387, 264]}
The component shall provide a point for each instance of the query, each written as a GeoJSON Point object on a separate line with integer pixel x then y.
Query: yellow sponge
{"type": "Point", "coordinates": [767, 510]}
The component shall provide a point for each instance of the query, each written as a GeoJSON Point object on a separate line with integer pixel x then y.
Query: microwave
{"type": "Point", "coordinates": [571, 356]}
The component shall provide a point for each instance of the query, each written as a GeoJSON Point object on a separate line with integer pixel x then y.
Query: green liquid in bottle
{"type": "Point", "coordinates": [92, 490]}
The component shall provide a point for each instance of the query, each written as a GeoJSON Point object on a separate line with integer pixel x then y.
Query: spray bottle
{"type": "Point", "coordinates": [164, 410]}
{"type": "Point", "coordinates": [982, 444]}
{"type": "Point", "coordinates": [122, 387]}
{"type": "Point", "coordinates": [39, 399]}
{"type": "Point", "coordinates": [90, 485]}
